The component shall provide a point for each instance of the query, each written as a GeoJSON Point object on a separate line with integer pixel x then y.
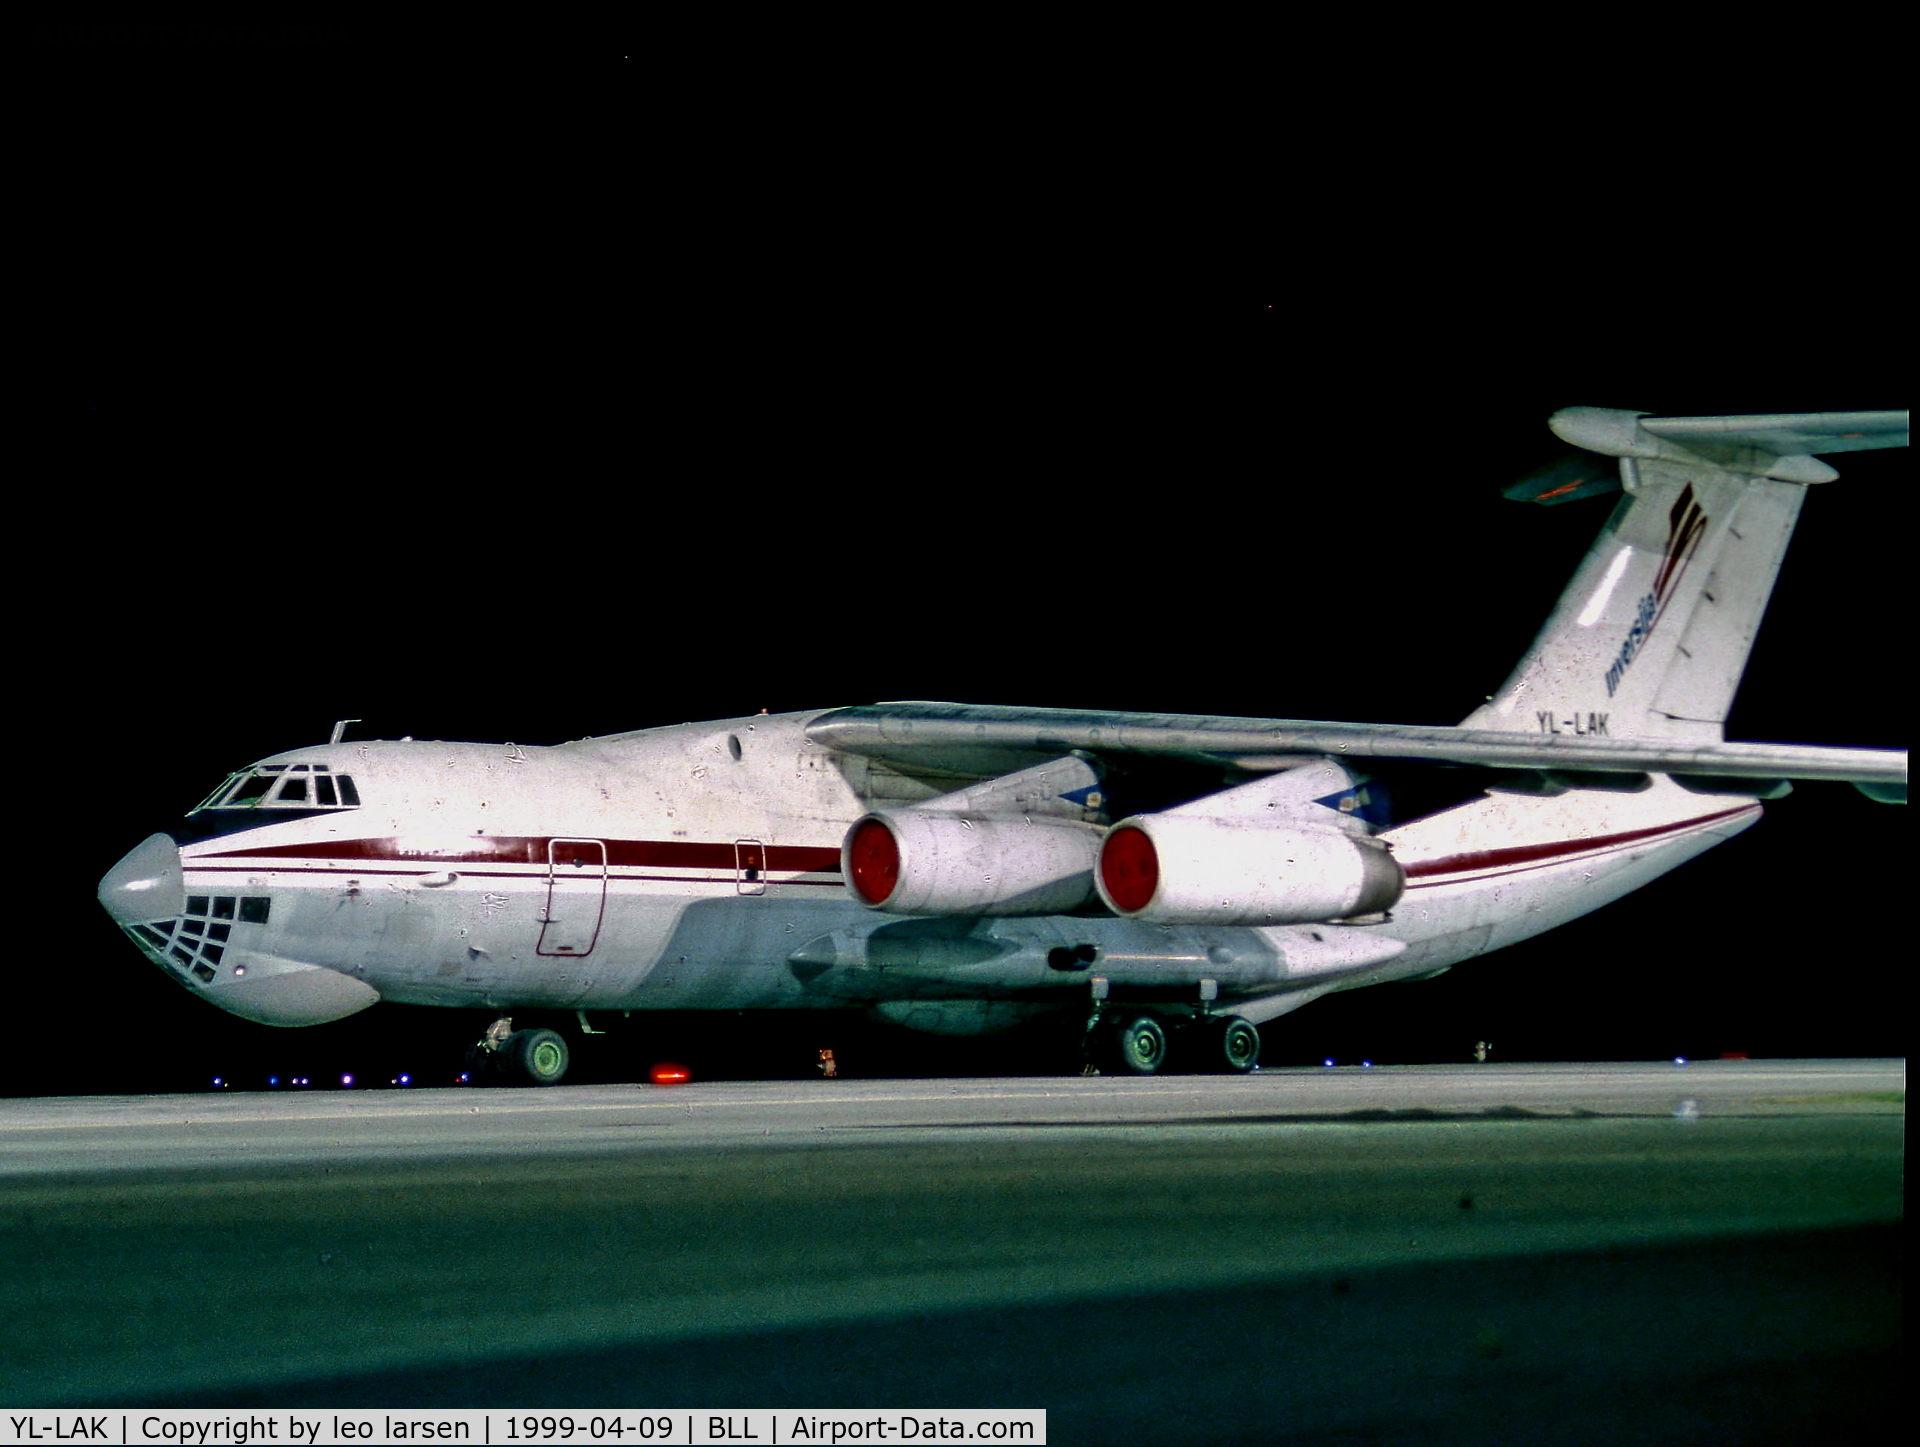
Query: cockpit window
{"type": "Point", "coordinates": [251, 788]}
{"type": "Point", "coordinates": [284, 786]}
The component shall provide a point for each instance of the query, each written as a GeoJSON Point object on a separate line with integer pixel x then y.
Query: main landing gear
{"type": "Point", "coordinates": [505, 1056]}
{"type": "Point", "coordinates": [1143, 1044]}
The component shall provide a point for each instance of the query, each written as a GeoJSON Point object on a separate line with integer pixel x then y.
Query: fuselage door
{"type": "Point", "coordinates": [750, 866]}
{"type": "Point", "coordinates": [576, 897]}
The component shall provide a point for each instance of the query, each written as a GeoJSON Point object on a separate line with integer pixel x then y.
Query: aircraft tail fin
{"type": "Point", "coordinates": [1652, 634]}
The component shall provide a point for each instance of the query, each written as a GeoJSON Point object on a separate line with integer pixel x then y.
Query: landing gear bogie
{"type": "Point", "coordinates": [1146, 1044]}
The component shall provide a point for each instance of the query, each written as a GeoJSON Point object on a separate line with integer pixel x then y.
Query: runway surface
{"type": "Point", "coordinates": [1678, 1253]}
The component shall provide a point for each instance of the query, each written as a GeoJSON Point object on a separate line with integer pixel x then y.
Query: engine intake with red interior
{"type": "Point", "coordinates": [1195, 869]}
{"type": "Point", "coordinates": [908, 861]}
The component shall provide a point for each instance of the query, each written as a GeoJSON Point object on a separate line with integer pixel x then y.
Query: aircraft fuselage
{"type": "Point", "coordinates": [697, 867]}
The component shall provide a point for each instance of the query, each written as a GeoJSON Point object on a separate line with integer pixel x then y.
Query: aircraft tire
{"type": "Point", "coordinates": [1235, 1046]}
{"type": "Point", "coordinates": [1222, 1045]}
{"type": "Point", "coordinates": [1136, 1046]}
{"type": "Point", "coordinates": [537, 1057]}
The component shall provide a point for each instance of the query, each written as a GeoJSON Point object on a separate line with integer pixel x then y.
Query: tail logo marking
{"type": "Point", "coordinates": [1685, 525]}
{"type": "Point", "coordinates": [1630, 645]}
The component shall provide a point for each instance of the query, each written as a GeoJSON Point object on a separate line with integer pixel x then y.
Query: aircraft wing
{"type": "Point", "coordinates": [966, 738]}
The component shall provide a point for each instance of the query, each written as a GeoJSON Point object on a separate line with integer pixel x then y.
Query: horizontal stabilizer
{"type": "Point", "coordinates": [1568, 480]}
{"type": "Point", "coordinates": [1785, 433]}
{"type": "Point", "coordinates": [1779, 445]}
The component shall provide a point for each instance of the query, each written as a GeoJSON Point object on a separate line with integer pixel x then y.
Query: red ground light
{"type": "Point", "coordinates": [667, 1073]}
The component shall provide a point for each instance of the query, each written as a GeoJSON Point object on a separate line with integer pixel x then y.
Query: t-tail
{"type": "Point", "coordinates": [1650, 638]}
{"type": "Point", "coordinates": [1646, 646]}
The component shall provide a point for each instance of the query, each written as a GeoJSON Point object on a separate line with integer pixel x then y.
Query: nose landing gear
{"type": "Point", "coordinates": [517, 1057]}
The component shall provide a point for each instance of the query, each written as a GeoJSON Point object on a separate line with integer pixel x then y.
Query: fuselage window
{"type": "Point", "coordinates": [323, 791]}
{"type": "Point", "coordinates": [349, 795]}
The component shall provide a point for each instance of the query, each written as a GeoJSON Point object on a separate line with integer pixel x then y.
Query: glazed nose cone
{"type": "Point", "coordinates": [147, 884]}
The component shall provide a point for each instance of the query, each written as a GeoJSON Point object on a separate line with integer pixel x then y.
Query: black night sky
{"type": "Point", "coordinates": [472, 443]}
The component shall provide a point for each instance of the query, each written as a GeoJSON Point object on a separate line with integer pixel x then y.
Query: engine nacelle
{"type": "Point", "coordinates": [911, 861]}
{"type": "Point", "coordinates": [1196, 869]}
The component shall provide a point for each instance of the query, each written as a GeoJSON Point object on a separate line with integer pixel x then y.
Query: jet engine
{"type": "Point", "coordinates": [912, 861]}
{"type": "Point", "coordinates": [1192, 869]}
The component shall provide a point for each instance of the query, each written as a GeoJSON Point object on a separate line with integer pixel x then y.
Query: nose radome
{"type": "Point", "coordinates": [147, 884]}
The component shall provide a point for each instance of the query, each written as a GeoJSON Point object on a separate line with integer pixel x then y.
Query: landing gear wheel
{"type": "Point", "coordinates": [536, 1057]}
{"type": "Point", "coordinates": [1137, 1046]}
{"type": "Point", "coordinates": [1223, 1045]}
{"type": "Point", "coordinates": [1236, 1046]}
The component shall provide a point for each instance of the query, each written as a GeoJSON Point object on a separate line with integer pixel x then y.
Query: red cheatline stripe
{"type": "Point", "coordinates": [489, 849]}
{"type": "Point", "coordinates": [729, 879]}
{"type": "Point", "coordinates": [1558, 849]}
{"type": "Point", "coordinates": [799, 858]}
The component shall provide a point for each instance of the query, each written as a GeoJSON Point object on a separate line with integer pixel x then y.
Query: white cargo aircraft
{"type": "Point", "coordinates": [1168, 881]}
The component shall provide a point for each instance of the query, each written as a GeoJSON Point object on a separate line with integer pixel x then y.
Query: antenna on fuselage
{"type": "Point", "coordinates": [340, 728]}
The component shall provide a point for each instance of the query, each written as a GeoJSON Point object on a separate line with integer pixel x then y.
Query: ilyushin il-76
{"type": "Point", "coordinates": [1155, 885]}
